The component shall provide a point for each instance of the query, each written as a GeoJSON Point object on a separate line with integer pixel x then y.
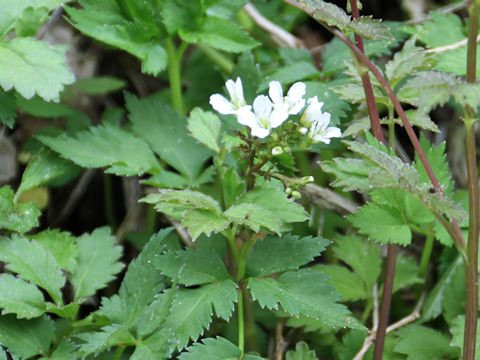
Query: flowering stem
{"type": "Point", "coordinates": [218, 58]}
{"type": "Point", "coordinates": [174, 60]}
{"type": "Point", "coordinates": [471, 268]}
{"type": "Point", "coordinates": [427, 252]}
{"type": "Point", "coordinates": [241, 328]}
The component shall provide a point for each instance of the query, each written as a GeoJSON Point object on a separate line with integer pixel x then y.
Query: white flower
{"type": "Point", "coordinates": [294, 100]}
{"type": "Point", "coordinates": [263, 118]}
{"type": "Point", "coordinates": [317, 122]}
{"type": "Point", "coordinates": [237, 102]}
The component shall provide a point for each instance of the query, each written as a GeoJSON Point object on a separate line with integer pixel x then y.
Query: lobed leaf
{"type": "Point", "coordinates": [97, 262]}
{"type": "Point", "coordinates": [95, 342]}
{"type": "Point", "coordinates": [346, 283]}
{"type": "Point", "coordinates": [276, 254]}
{"type": "Point", "coordinates": [212, 349]}
{"type": "Point", "coordinates": [61, 245]}
{"type": "Point", "coordinates": [105, 146]}
{"type": "Point", "coordinates": [33, 263]}
{"type": "Point", "coordinates": [20, 297]}
{"type": "Point", "coordinates": [302, 292]}
{"type": "Point", "coordinates": [204, 126]}
{"type": "Point", "coordinates": [255, 217]}
{"type": "Point", "coordinates": [458, 332]}
{"type": "Point", "coordinates": [370, 28]}
{"type": "Point", "coordinates": [327, 12]}
{"type": "Point", "coordinates": [301, 353]}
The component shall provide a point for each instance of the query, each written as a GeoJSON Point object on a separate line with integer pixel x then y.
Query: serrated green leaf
{"type": "Point", "coordinates": [406, 273]}
{"type": "Point", "coordinates": [327, 12]}
{"type": "Point", "coordinates": [220, 34]}
{"type": "Point", "coordinates": [33, 263]}
{"type": "Point", "coordinates": [351, 174]}
{"type": "Point", "coordinates": [346, 283]}
{"type": "Point", "coordinates": [422, 343]}
{"type": "Point", "coordinates": [14, 11]}
{"type": "Point", "coordinates": [233, 186]}
{"type": "Point", "coordinates": [301, 353]}
{"type": "Point", "coordinates": [33, 67]}
{"type": "Point", "coordinates": [453, 303]}
{"type": "Point", "coordinates": [454, 61]}
{"type": "Point", "coordinates": [97, 262]}
{"type": "Point", "coordinates": [442, 29]}
{"type": "Point", "coordinates": [302, 292]}
{"type": "Point", "coordinates": [8, 111]}
{"type": "Point", "coordinates": [30, 21]}
{"type": "Point", "coordinates": [45, 166]}
{"type": "Point", "coordinates": [250, 74]}
{"type": "Point", "coordinates": [363, 257]}
{"type": "Point", "coordinates": [139, 36]}
{"type": "Point", "coordinates": [183, 200]}
{"type": "Point", "coordinates": [406, 61]}
{"type": "Point", "coordinates": [175, 15]}
{"type": "Point", "coordinates": [156, 346]}
{"type": "Point", "coordinates": [277, 254]}
{"type": "Point", "coordinates": [370, 28]}
{"type": "Point", "coordinates": [61, 245]}
{"type": "Point", "coordinates": [212, 349]}
{"type": "Point", "coordinates": [105, 146]}
{"type": "Point", "coordinates": [393, 229]}
{"type": "Point", "coordinates": [255, 217]}
{"type": "Point", "coordinates": [16, 217]}
{"type": "Point", "coordinates": [26, 338]}
{"type": "Point", "coordinates": [165, 131]}
{"type": "Point", "coordinates": [204, 126]}
{"type": "Point", "coordinates": [275, 201]}
{"type": "Point", "coordinates": [434, 300]}
{"type": "Point", "coordinates": [64, 351]}
{"type": "Point", "coordinates": [195, 266]}
{"type": "Point", "coordinates": [97, 341]}
{"type": "Point", "coordinates": [98, 85]}
{"type": "Point", "coordinates": [458, 332]}
{"type": "Point", "coordinates": [204, 222]}
{"type": "Point", "coordinates": [289, 74]}
{"type": "Point", "coordinates": [190, 323]}
{"type": "Point", "coordinates": [20, 298]}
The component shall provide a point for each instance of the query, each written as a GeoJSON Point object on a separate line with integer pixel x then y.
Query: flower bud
{"type": "Point", "coordinates": [296, 194]}
{"type": "Point", "coordinates": [277, 150]}
{"type": "Point", "coordinates": [288, 191]}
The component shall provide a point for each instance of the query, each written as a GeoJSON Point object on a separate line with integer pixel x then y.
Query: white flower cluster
{"type": "Point", "coordinates": [269, 112]}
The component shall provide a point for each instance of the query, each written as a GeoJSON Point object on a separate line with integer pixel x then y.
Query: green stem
{"type": "Point", "coordinates": [241, 329]}
{"type": "Point", "coordinates": [109, 205]}
{"type": "Point", "coordinates": [174, 60]}
{"type": "Point", "coordinates": [151, 222]}
{"type": "Point", "coordinates": [118, 353]}
{"type": "Point", "coordinates": [471, 268]}
{"type": "Point", "coordinates": [217, 57]}
{"type": "Point", "coordinates": [427, 252]}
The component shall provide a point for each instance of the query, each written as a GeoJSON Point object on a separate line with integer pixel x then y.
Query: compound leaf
{"type": "Point", "coordinates": [61, 245]}
{"type": "Point", "coordinates": [20, 297]}
{"type": "Point", "coordinates": [97, 262]}
{"type": "Point", "coordinates": [255, 217]}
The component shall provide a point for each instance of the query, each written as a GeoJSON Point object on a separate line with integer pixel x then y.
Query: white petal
{"type": "Point", "coordinates": [246, 117]}
{"type": "Point", "coordinates": [303, 130]}
{"type": "Point", "coordinates": [259, 132]}
{"type": "Point", "coordinates": [332, 132]}
{"type": "Point", "coordinates": [231, 88]}
{"type": "Point", "coordinates": [221, 104]}
{"type": "Point", "coordinates": [297, 107]}
{"type": "Point", "coordinates": [262, 106]}
{"type": "Point", "coordinates": [276, 92]}
{"type": "Point", "coordinates": [321, 138]}
{"type": "Point", "coordinates": [235, 90]}
{"type": "Point", "coordinates": [324, 120]}
{"type": "Point", "coordinates": [296, 91]}
{"type": "Point", "coordinates": [278, 116]}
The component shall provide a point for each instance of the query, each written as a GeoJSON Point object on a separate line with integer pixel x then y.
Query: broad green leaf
{"type": "Point", "coordinates": [277, 254]}
{"type": "Point", "coordinates": [13, 11]}
{"type": "Point", "coordinates": [26, 338]}
{"type": "Point", "coordinates": [212, 349]}
{"type": "Point", "coordinates": [176, 16]}
{"type": "Point", "coordinates": [64, 351]}
{"type": "Point", "coordinates": [192, 309]}
{"type": "Point", "coordinates": [38, 107]}
{"type": "Point", "coordinates": [46, 166]}
{"type": "Point", "coordinates": [275, 201]}
{"type": "Point", "coordinates": [351, 174]}
{"type": "Point", "coordinates": [204, 222]}
{"type": "Point", "coordinates": [250, 74]}
{"type": "Point", "coordinates": [346, 283]}
{"type": "Point", "coordinates": [289, 74]}
{"type": "Point", "coordinates": [142, 282]}
{"type": "Point", "coordinates": [255, 217]}
{"type": "Point", "coordinates": [405, 62]}
{"type": "Point", "coordinates": [442, 29]}
{"type": "Point", "coordinates": [154, 315]}
{"type": "Point", "coordinates": [233, 185]}
{"type": "Point", "coordinates": [327, 12]}
{"type": "Point", "coordinates": [422, 343]}
{"type": "Point", "coordinates": [30, 21]}
{"type": "Point", "coordinates": [393, 229]}
{"type": "Point", "coordinates": [301, 353]}
{"type": "Point", "coordinates": [166, 133]}
{"type": "Point", "coordinates": [220, 34]}
{"type": "Point", "coordinates": [33, 67]}
{"type": "Point", "coordinates": [195, 266]}
{"type": "Point", "coordinates": [97, 262]}
{"type": "Point", "coordinates": [61, 245]}
{"type": "Point", "coordinates": [453, 303]}
{"type": "Point", "coordinates": [182, 200]}
{"type": "Point", "coordinates": [108, 26]}
{"type": "Point", "coordinates": [8, 110]}
{"type": "Point", "coordinates": [97, 341]}
{"type": "Point", "coordinates": [356, 94]}
{"type": "Point", "coordinates": [99, 85]}
{"type": "Point", "coordinates": [362, 256]}
{"type": "Point", "coordinates": [33, 263]}
{"type": "Point", "coordinates": [302, 292]}
{"type": "Point", "coordinates": [458, 332]}
{"type": "Point", "coordinates": [167, 179]}
{"type": "Point", "coordinates": [204, 126]}
{"type": "Point", "coordinates": [225, 8]}
{"type": "Point", "coordinates": [105, 146]}
{"type": "Point", "coordinates": [20, 297]}
{"type": "Point", "coordinates": [434, 300]}
{"type": "Point", "coordinates": [370, 28]}
{"type": "Point", "coordinates": [406, 273]}
{"type": "Point", "coordinates": [16, 217]}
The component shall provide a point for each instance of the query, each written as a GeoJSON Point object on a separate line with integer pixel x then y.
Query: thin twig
{"type": "Point", "coordinates": [279, 35]}
{"type": "Point", "coordinates": [279, 341]}
{"type": "Point", "coordinates": [444, 10]}
{"type": "Point", "coordinates": [329, 199]}
{"type": "Point", "coordinates": [449, 47]}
